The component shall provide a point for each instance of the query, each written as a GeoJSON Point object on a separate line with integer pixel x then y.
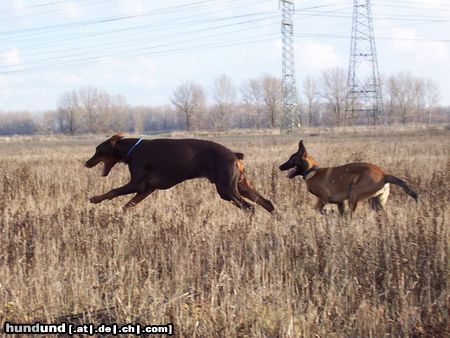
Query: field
{"type": "Point", "coordinates": [185, 256]}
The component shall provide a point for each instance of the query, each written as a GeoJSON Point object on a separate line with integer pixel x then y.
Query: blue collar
{"type": "Point", "coordinates": [131, 150]}
{"type": "Point", "coordinates": [310, 170]}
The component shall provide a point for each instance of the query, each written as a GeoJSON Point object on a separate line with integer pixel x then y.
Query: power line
{"type": "Point", "coordinates": [181, 22]}
{"type": "Point", "coordinates": [147, 48]}
{"type": "Point", "coordinates": [384, 17]}
{"type": "Point", "coordinates": [131, 36]}
{"type": "Point", "coordinates": [116, 18]}
{"type": "Point", "coordinates": [84, 61]}
{"type": "Point", "coordinates": [99, 50]}
{"type": "Point", "coordinates": [46, 12]}
{"type": "Point", "coordinates": [337, 36]}
{"type": "Point", "coordinates": [414, 7]}
{"type": "Point", "coordinates": [163, 37]}
{"type": "Point", "coordinates": [48, 4]}
{"type": "Point", "coordinates": [413, 3]}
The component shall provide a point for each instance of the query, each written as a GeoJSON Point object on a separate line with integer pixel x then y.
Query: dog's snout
{"type": "Point", "coordinates": [91, 162]}
{"type": "Point", "coordinates": [285, 166]}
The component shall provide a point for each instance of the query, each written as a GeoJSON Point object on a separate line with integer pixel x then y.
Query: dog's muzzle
{"type": "Point", "coordinates": [293, 169]}
{"type": "Point", "coordinates": [92, 162]}
{"type": "Point", "coordinates": [286, 166]}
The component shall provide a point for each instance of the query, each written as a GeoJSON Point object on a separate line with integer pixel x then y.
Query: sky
{"type": "Point", "coordinates": [143, 49]}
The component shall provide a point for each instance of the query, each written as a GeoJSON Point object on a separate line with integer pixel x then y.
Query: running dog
{"type": "Point", "coordinates": [163, 163]}
{"type": "Point", "coordinates": [354, 182]}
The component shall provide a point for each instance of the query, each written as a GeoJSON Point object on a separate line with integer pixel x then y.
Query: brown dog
{"type": "Point", "coordinates": [163, 163]}
{"type": "Point", "coordinates": [353, 182]}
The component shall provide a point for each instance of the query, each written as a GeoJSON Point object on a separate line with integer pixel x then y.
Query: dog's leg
{"type": "Point", "coordinates": [227, 194]}
{"type": "Point", "coordinates": [138, 198]}
{"type": "Point", "coordinates": [227, 186]}
{"type": "Point", "coordinates": [238, 201]}
{"type": "Point", "coordinates": [319, 205]}
{"type": "Point", "coordinates": [341, 208]}
{"type": "Point", "coordinates": [242, 204]}
{"type": "Point", "coordinates": [375, 204]}
{"type": "Point", "coordinates": [353, 202]}
{"type": "Point", "coordinates": [383, 197]}
{"type": "Point", "coordinates": [379, 201]}
{"type": "Point", "coordinates": [247, 190]}
{"type": "Point", "coordinates": [126, 189]}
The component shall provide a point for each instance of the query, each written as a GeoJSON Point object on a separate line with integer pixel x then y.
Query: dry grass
{"type": "Point", "coordinates": [187, 257]}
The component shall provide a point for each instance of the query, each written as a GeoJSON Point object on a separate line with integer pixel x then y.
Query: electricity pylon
{"type": "Point", "coordinates": [364, 97]}
{"type": "Point", "coordinates": [289, 89]}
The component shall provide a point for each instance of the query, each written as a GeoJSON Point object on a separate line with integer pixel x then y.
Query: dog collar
{"type": "Point", "coordinates": [307, 174]}
{"type": "Point", "coordinates": [131, 150]}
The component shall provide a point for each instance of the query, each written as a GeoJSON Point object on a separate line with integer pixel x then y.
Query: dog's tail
{"type": "Point", "coordinates": [402, 184]}
{"type": "Point", "coordinates": [239, 156]}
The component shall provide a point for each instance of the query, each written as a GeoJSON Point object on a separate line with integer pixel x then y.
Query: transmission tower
{"type": "Point", "coordinates": [364, 96]}
{"type": "Point", "coordinates": [289, 89]}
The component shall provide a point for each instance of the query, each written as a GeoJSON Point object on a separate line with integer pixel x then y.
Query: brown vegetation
{"type": "Point", "coordinates": [185, 256]}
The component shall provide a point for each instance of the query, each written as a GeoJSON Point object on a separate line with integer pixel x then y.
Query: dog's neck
{"type": "Point", "coordinates": [309, 173]}
{"type": "Point", "coordinates": [125, 148]}
{"type": "Point", "coordinates": [313, 167]}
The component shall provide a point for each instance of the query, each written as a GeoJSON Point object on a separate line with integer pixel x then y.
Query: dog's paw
{"type": "Point", "coordinates": [95, 199]}
{"type": "Point", "coordinates": [128, 206]}
{"type": "Point", "coordinates": [327, 212]}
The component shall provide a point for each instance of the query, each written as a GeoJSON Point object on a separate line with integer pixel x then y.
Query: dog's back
{"type": "Point", "coordinates": [181, 159]}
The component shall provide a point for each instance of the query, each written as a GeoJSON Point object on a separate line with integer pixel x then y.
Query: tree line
{"type": "Point", "coordinates": [256, 103]}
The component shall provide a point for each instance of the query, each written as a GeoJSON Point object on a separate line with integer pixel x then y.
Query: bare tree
{"type": "Point", "coordinates": [389, 103]}
{"type": "Point", "coordinates": [272, 97]}
{"type": "Point", "coordinates": [92, 110]}
{"type": "Point", "coordinates": [252, 102]}
{"type": "Point", "coordinates": [334, 86]}
{"type": "Point", "coordinates": [401, 96]}
{"type": "Point", "coordinates": [418, 92]}
{"type": "Point", "coordinates": [95, 107]}
{"type": "Point", "coordinates": [189, 100]}
{"type": "Point", "coordinates": [262, 99]}
{"type": "Point", "coordinates": [68, 113]}
{"type": "Point", "coordinates": [410, 98]}
{"type": "Point", "coordinates": [224, 96]}
{"type": "Point", "coordinates": [432, 97]}
{"type": "Point", "coordinates": [46, 122]}
{"type": "Point", "coordinates": [119, 111]}
{"type": "Point", "coordinates": [311, 93]}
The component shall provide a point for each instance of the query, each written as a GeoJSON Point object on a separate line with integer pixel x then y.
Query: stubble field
{"type": "Point", "coordinates": [187, 257]}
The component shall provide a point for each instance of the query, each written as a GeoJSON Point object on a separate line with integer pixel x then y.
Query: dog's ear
{"type": "Point", "coordinates": [113, 140]}
{"type": "Point", "coordinates": [240, 156]}
{"type": "Point", "coordinates": [301, 149]}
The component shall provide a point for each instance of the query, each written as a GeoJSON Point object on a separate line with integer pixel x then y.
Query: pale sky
{"type": "Point", "coordinates": [143, 49]}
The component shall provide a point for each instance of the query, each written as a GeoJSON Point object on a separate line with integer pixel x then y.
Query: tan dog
{"type": "Point", "coordinates": [353, 182]}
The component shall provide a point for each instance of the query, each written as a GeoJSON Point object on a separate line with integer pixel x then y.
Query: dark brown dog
{"type": "Point", "coordinates": [353, 182]}
{"type": "Point", "coordinates": [163, 163]}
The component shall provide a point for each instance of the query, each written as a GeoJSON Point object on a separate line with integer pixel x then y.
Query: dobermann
{"type": "Point", "coordinates": [163, 163]}
{"type": "Point", "coordinates": [353, 182]}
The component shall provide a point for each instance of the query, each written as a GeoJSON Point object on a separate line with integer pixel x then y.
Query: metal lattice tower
{"type": "Point", "coordinates": [289, 89]}
{"type": "Point", "coordinates": [364, 97]}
